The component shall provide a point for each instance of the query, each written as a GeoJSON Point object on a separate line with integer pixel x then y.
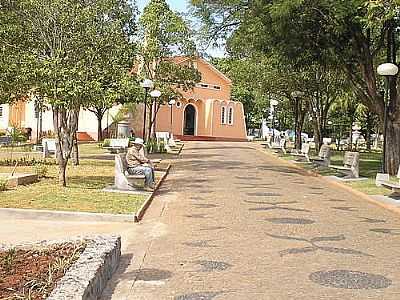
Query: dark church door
{"type": "Point", "coordinates": [190, 120]}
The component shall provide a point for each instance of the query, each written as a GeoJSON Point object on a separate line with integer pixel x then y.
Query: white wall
{"type": "Point", "coordinates": [5, 117]}
{"type": "Point", "coordinates": [87, 119]}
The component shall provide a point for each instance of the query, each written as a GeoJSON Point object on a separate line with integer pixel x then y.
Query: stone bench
{"type": "Point", "coordinates": [305, 150]}
{"type": "Point", "coordinates": [123, 180]}
{"type": "Point", "coordinates": [117, 145]}
{"type": "Point", "coordinates": [49, 148]}
{"type": "Point", "coordinates": [324, 156]}
{"type": "Point", "coordinates": [351, 165]}
{"type": "Point", "coordinates": [281, 146]}
{"type": "Point", "coordinates": [383, 180]}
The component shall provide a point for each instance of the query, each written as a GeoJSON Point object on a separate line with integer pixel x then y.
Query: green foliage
{"type": "Point", "coordinates": [41, 170]}
{"type": "Point", "coordinates": [166, 34]}
{"type": "Point", "coordinates": [17, 135]}
{"type": "Point", "coordinates": [26, 162]}
{"type": "Point", "coordinates": [8, 260]}
{"type": "Point", "coordinates": [152, 146]}
{"type": "Point", "coordinates": [106, 143]}
{"type": "Point", "coordinates": [3, 184]}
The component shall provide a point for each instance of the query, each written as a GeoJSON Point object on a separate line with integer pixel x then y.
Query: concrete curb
{"type": "Point", "coordinates": [338, 184]}
{"type": "Point", "coordinates": [20, 213]}
{"type": "Point", "coordinates": [142, 210]}
{"type": "Point", "coordinates": [88, 276]}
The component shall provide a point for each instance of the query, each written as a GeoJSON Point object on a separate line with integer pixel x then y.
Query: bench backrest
{"type": "Point", "coordinates": [325, 152]}
{"type": "Point", "coordinates": [49, 144]}
{"type": "Point", "coordinates": [120, 163]}
{"type": "Point", "coordinates": [162, 135]}
{"type": "Point", "coordinates": [305, 148]}
{"type": "Point", "coordinates": [351, 159]}
{"type": "Point", "coordinates": [119, 143]}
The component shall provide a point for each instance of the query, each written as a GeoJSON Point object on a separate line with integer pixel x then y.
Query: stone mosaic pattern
{"type": "Point", "coordinates": [198, 296]}
{"type": "Point", "coordinates": [280, 240]}
{"type": "Point", "coordinates": [345, 279]}
{"type": "Point", "coordinates": [292, 221]}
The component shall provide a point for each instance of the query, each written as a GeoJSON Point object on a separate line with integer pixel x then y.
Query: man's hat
{"type": "Point", "coordinates": [139, 141]}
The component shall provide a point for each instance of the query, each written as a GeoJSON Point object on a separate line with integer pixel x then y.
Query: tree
{"type": "Point", "coordinates": [59, 54]}
{"type": "Point", "coordinates": [165, 34]}
{"type": "Point", "coordinates": [13, 67]}
{"type": "Point", "coordinates": [357, 34]}
{"type": "Point", "coordinates": [252, 94]}
{"type": "Point", "coordinates": [110, 82]}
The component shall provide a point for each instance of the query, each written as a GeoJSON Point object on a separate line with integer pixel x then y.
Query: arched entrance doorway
{"type": "Point", "coordinates": [190, 120]}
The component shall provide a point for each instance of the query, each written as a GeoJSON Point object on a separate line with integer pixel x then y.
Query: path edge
{"type": "Point", "coordinates": [142, 210]}
{"type": "Point", "coordinates": [338, 184]}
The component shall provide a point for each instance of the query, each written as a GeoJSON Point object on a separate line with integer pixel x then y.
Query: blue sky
{"type": "Point", "coordinates": [183, 7]}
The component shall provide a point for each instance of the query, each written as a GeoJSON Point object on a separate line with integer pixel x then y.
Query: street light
{"type": "Point", "coordinates": [296, 95]}
{"type": "Point", "coordinates": [387, 70]}
{"type": "Point", "coordinates": [155, 95]}
{"type": "Point", "coordinates": [147, 84]}
{"type": "Point", "coordinates": [171, 104]}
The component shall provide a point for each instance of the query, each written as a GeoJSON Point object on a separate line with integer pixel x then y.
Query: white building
{"type": "Point", "coordinates": [23, 115]}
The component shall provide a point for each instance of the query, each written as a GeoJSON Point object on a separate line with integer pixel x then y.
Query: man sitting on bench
{"type": "Point", "coordinates": [138, 164]}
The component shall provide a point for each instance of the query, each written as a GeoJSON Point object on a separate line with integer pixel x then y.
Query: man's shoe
{"type": "Point", "coordinates": [148, 189]}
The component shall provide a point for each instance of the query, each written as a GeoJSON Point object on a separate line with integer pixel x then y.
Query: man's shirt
{"type": "Point", "coordinates": [134, 158]}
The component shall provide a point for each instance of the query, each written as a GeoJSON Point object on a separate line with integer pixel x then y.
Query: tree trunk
{"type": "Point", "coordinates": [99, 128]}
{"type": "Point", "coordinates": [65, 124]}
{"type": "Point", "coordinates": [75, 151]}
{"type": "Point", "coordinates": [351, 133]}
{"type": "Point", "coordinates": [317, 136]}
{"type": "Point", "coordinates": [392, 147]}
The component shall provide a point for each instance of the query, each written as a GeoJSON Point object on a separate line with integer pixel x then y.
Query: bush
{"type": "Point", "coordinates": [106, 143]}
{"type": "Point", "coordinates": [161, 148]}
{"type": "Point", "coordinates": [3, 184]}
{"type": "Point", "coordinates": [40, 170]}
{"type": "Point", "coordinates": [153, 147]}
{"type": "Point", "coordinates": [24, 162]}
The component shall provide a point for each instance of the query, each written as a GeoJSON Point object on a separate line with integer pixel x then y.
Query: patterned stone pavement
{"type": "Point", "coordinates": [234, 223]}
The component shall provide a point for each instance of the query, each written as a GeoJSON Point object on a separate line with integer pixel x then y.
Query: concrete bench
{"type": "Point", "coordinates": [281, 146]}
{"type": "Point", "coordinates": [305, 150]}
{"type": "Point", "coordinates": [383, 180]}
{"type": "Point", "coordinates": [5, 140]}
{"type": "Point", "coordinates": [49, 147]}
{"type": "Point", "coordinates": [351, 165]}
{"type": "Point", "coordinates": [123, 180]}
{"type": "Point", "coordinates": [117, 145]}
{"type": "Point", "coordinates": [324, 156]}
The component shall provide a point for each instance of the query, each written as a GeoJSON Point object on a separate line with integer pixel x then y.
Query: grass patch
{"type": "Point", "coordinates": [83, 193]}
{"type": "Point", "coordinates": [370, 164]}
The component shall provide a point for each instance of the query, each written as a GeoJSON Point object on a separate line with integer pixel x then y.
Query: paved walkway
{"type": "Point", "coordinates": [234, 223]}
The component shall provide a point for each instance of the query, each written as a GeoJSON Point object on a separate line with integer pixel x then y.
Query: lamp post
{"type": "Point", "coordinates": [296, 95]}
{"type": "Point", "coordinates": [147, 84]}
{"type": "Point", "coordinates": [387, 70]}
{"type": "Point", "coordinates": [155, 95]}
{"type": "Point", "coordinates": [171, 104]}
{"type": "Point", "coordinates": [273, 103]}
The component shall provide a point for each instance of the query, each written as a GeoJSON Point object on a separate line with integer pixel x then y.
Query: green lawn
{"type": "Point", "coordinates": [84, 191]}
{"type": "Point", "coordinates": [370, 164]}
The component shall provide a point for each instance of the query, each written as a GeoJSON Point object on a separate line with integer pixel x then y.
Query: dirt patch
{"type": "Point", "coordinates": [33, 273]}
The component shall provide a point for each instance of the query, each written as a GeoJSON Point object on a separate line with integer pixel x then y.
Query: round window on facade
{"type": "Point", "coordinates": [178, 104]}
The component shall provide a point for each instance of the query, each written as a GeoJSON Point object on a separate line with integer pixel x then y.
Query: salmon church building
{"type": "Point", "coordinates": [204, 113]}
